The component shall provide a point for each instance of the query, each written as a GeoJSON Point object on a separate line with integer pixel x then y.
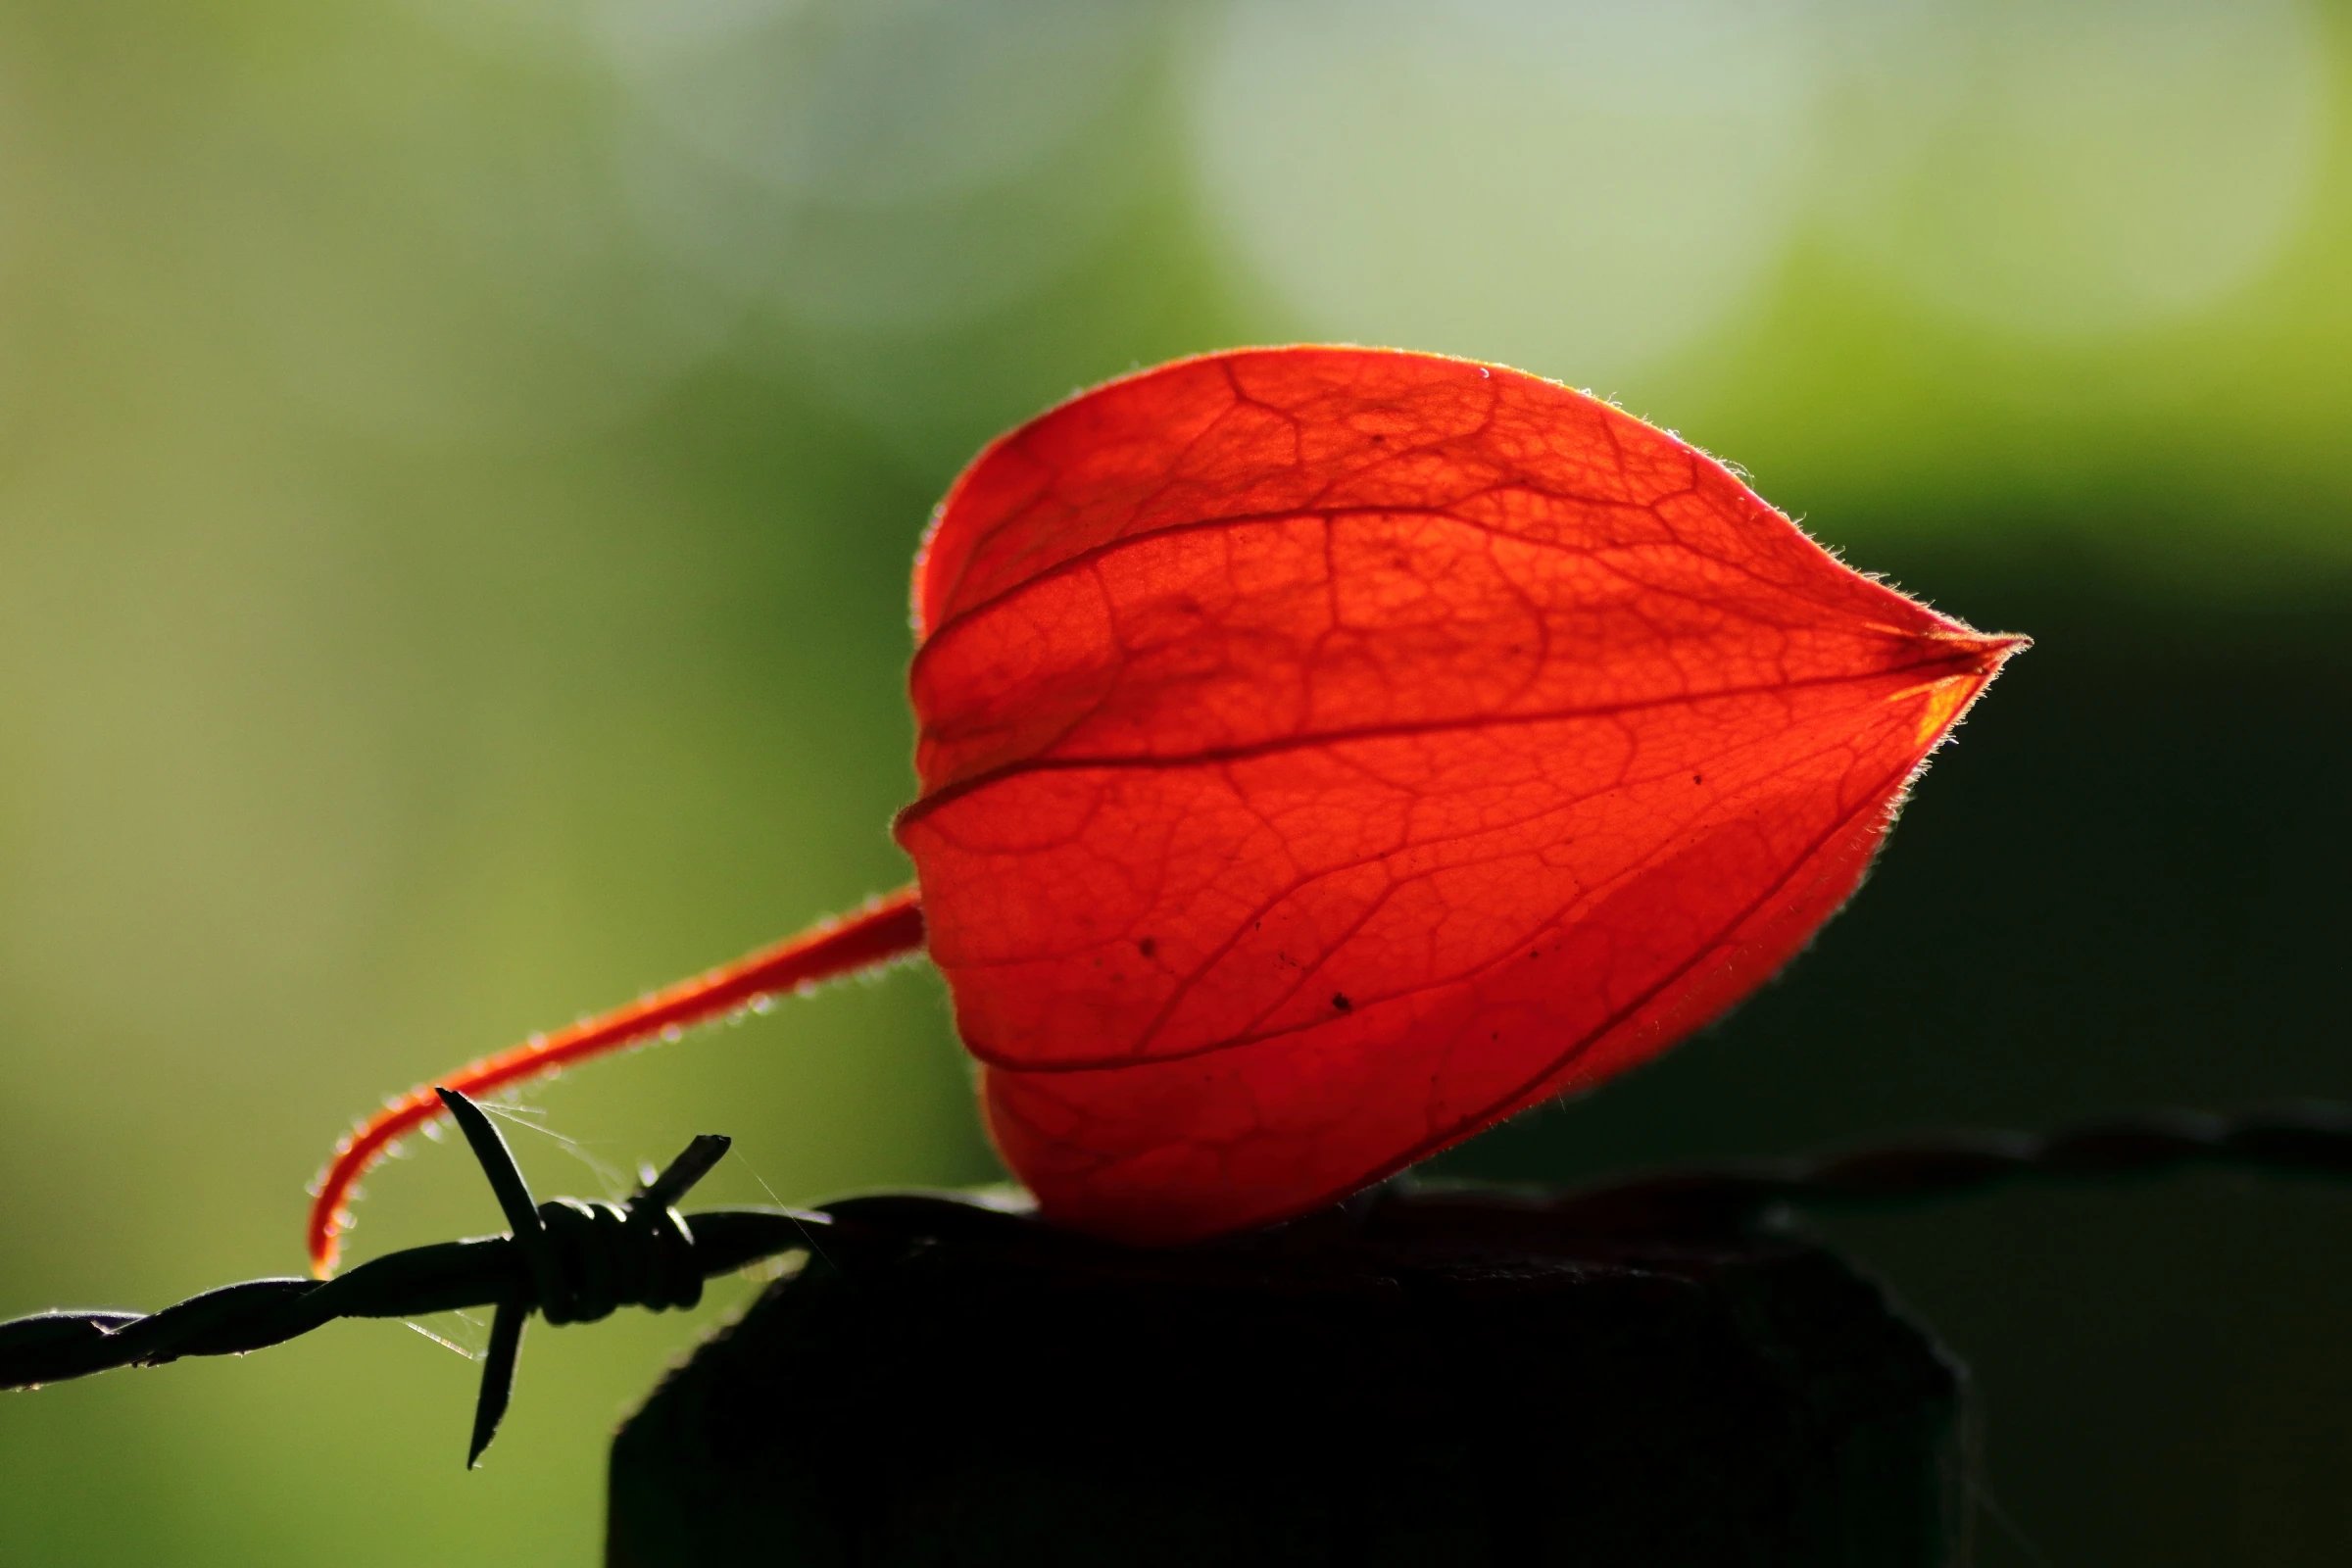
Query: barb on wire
{"type": "Point", "coordinates": [568, 1260]}
{"type": "Point", "coordinates": [574, 1263]}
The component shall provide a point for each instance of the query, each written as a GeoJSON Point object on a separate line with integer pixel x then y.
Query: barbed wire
{"type": "Point", "coordinates": [2302, 1138]}
{"type": "Point", "coordinates": [568, 1260]}
{"type": "Point", "coordinates": [573, 1262]}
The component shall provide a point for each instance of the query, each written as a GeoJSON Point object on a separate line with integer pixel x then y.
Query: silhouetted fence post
{"type": "Point", "coordinates": [1429, 1377]}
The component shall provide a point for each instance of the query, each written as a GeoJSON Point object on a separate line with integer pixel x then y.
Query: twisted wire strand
{"type": "Point", "coordinates": [568, 1260]}
{"type": "Point", "coordinates": [235, 1320]}
{"type": "Point", "coordinates": [573, 1262]}
{"type": "Point", "coordinates": [2305, 1138]}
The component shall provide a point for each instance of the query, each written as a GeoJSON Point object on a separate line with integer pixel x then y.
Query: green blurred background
{"type": "Point", "coordinates": [459, 463]}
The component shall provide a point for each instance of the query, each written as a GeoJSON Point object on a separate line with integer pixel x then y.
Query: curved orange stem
{"type": "Point", "coordinates": [887, 928]}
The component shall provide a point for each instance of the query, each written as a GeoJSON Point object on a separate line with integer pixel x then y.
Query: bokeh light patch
{"type": "Point", "coordinates": [2079, 168]}
{"type": "Point", "coordinates": [1580, 188]}
{"type": "Point", "coordinates": [892, 167]}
